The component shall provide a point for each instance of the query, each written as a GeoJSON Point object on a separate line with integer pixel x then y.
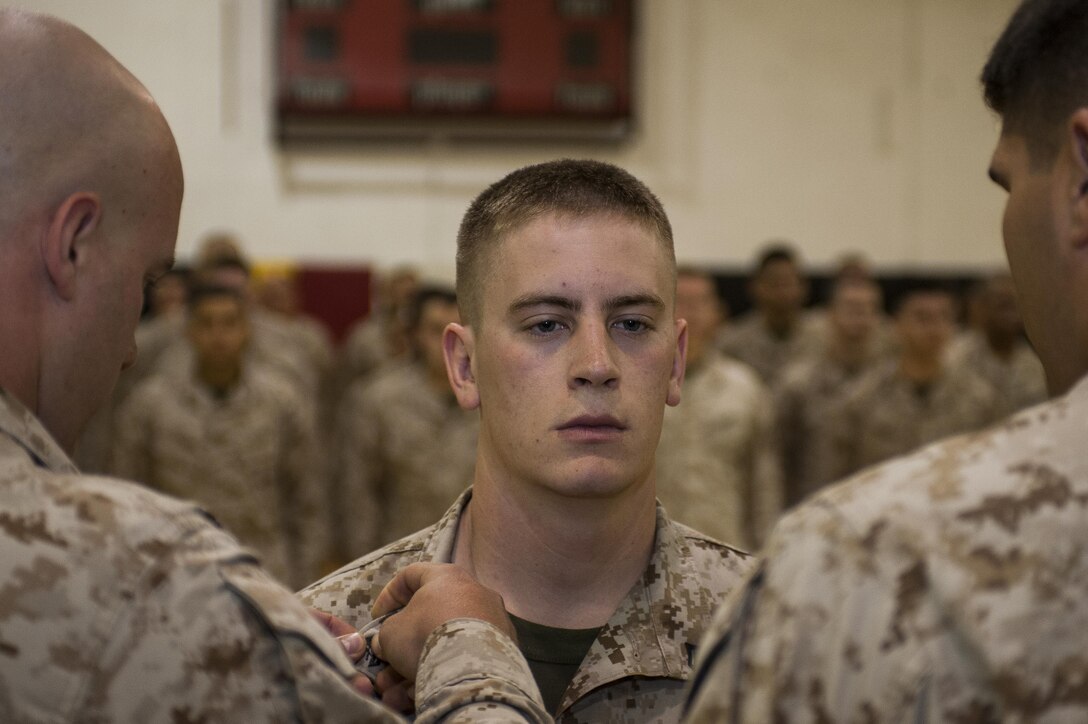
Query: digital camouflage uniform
{"type": "Point", "coordinates": [809, 404]}
{"type": "Point", "coordinates": [752, 342]}
{"type": "Point", "coordinates": [947, 586]}
{"type": "Point", "coordinates": [405, 452]}
{"type": "Point", "coordinates": [1019, 381]}
{"type": "Point", "coordinates": [884, 415]}
{"type": "Point", "coordinates": [717, 464]}
{"type": "Point", "coordinates": [248, 458]}
{"type": "Point", "coordinates": [122, 605]}
{"type": "Point", "coordinates": [636, 669]}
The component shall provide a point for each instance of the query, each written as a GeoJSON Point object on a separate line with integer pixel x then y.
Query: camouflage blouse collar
{"type": "Point", "coordinates": [653, 632]}
{"type": "Point", "coordinates": [24, 428]}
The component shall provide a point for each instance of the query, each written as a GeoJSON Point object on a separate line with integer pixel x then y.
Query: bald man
{"type": "Point", "coordinates": [118, 604]}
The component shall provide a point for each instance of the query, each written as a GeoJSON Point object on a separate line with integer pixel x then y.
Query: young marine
{"type": "Point", "coordinates": [570, 350]}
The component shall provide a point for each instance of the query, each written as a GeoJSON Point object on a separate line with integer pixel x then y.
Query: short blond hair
{"type": "Point", "coordinates": [572, 187]}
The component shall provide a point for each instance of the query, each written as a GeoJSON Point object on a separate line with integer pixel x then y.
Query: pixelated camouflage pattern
{"type": "Point", "coordinates": [636, 669]}
{"type": "Point", "coordinates": [947, 586]}
{"type": "Point", "coordinates": [404, 453]}
{"type": "Point", "coordinates": [885, 417]}
{"type": "Point", "coordinates": [717, 464]}
{"type": "Point", "coordinates": [1020, 381]}
{"type": "Point", "coordinates": [749, 340]}
{"type": "Point", "coordinates": [122, 605]}
{"type": "Point", "coordinates": [249, 459]}
{"type": "Point", "coordinates": [809, 407]}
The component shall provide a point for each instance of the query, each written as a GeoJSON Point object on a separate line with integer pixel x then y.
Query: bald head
{"type": "Point", "coordinates": [90, 194]}
{"type": "Point", "coordinates": [72, 118]}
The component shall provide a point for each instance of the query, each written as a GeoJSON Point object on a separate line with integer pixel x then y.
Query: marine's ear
{"type": "Point", "coordinates": [70, 227]}
{"type": "Point", "coordinates": [1078, 127]}
{"type": "Point", "coordinates": [679, 363]}
{"type": "Point", "coordinates": [458, 349]}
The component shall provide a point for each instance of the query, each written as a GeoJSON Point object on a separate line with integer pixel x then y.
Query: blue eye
{"type": "Point", "coordinates": [633, 325]}
{"type": "Point", "coordinates": [546, 326]}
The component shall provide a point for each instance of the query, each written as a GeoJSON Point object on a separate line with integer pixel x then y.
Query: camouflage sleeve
{"type": "Point", "coordinates": [211, 637]}
{"type": "Point", "coordinates": [805, 642]}
{"type": "Point", "coordinates": [765, 474]}
{"type": "Point", "coordinates": [130, 457]}
{"type": "Point", "coordinates": [301, 491]}
{"type": "Point", "coordinates": [471, 672]}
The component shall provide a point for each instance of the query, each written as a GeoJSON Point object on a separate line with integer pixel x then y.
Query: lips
{"type": "Point", "coordinates": [591, 428]}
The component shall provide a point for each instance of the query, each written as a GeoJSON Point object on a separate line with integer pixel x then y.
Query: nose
{"type": "Point", "coordinates": [594, 358]}
{"type": "Point", "coordinates": [130, 358]}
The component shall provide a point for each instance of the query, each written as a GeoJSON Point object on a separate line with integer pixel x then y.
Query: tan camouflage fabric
{"type": "Point", "coordinates": [885, 416]}
{"type": "Point", "coordinates": [1020, 381]}
{"type": "Point", "coordinates": [809, 407]}
{"type": "Point", "coordinates": [947, 586]}
{"type": "Point", "coordinates": [636, 669]}
{"type": "Point", "coordinates": [122, 605]}
{"type": "Point", "coordinates": [717, 463]}
{"type": "Point", "coordinates": [749, 340]}
{"type": "Point", "coordinates": [248, 458]}
{"type": "Point", "coordinates": [405, 452]}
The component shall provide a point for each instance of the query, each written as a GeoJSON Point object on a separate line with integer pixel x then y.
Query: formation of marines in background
{"type": "Point", "coordinates": [946, 584]}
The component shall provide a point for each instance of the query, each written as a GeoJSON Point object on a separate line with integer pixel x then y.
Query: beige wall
{"type": "Point", "coordinates": [841, 124]}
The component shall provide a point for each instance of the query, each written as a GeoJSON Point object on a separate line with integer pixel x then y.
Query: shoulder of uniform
{"type": "Point", "coordinates": [350, 591]}
{"type": "Point", "coordinates": [709, 557]}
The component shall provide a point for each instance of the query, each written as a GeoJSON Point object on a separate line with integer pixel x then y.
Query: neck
{"type": "Point", "coordinates": [220, 378]}
{"type": "Point", "coordinates": [1001, 345]}
{"type": "Point", "coordinates": [921, 369]}
{"type": "Point", "coordinates": [556, 561]}
{"type": "Point", "coordinates": [780, 325]}
{"type": "Point", "coordinates": [849, 353]}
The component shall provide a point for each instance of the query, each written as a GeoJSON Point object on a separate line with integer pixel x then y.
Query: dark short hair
{"type": "Point", "coordinates": [573, 187]}
{"type": "Point", "coordinates": [923, 288]}
{"type": "Point", "coordinates": [200, 292]}
{"type": "Point", "coordinates": [425, 295]}
{"type": "Point", "coordinates": [1037, 74]}
{"type": "Point", "coordinates": [774, 252]}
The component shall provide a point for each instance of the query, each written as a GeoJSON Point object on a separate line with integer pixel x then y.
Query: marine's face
{"type": "Point", "coordinates": [779, 288]}
{"type": "Point", "coordinates": [218, 331]}
{"type": "Point", "coordinates": [698, 304]}
{"type": "Point", "coordinates": [576, 354]}
{"type": "Point", "coordinates": [855, 312]}
{"type": "Point", "coordinates": [132, 252]}
{"type": "Point", "coordinates": [926, 322]}
{"type": "Point", "coordinates": [436, 315]}
{"type": "Point", "coordinates": [1039, 268]}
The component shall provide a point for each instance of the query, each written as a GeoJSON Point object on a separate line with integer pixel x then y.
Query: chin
{"type": "Point", "coordinates": [598, 481]}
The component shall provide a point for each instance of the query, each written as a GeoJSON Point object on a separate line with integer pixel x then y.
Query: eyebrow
{"type": "Point", "coordinates": [529, 301]}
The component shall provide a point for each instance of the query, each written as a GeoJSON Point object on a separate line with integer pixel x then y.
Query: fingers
{"type": "Point", "coordinates": [362, 685]}
{"type": "Point", "coordinates": [342, 631]}
{"type": "Point", "coordinates": [400, 590]}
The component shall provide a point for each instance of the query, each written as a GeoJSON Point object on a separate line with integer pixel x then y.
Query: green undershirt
{"type": "Point", "coordinates": [554, 655]}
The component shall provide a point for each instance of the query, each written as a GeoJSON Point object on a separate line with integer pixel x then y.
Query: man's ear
{"type": "Point", "coordinates": [72, 224]}
{"type": "Point", "coordinates": [1078, 135]}
{"type": "Point", "coordinates": [679, 363]}
{"type": "Point", "coordinates": [458, 348]}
